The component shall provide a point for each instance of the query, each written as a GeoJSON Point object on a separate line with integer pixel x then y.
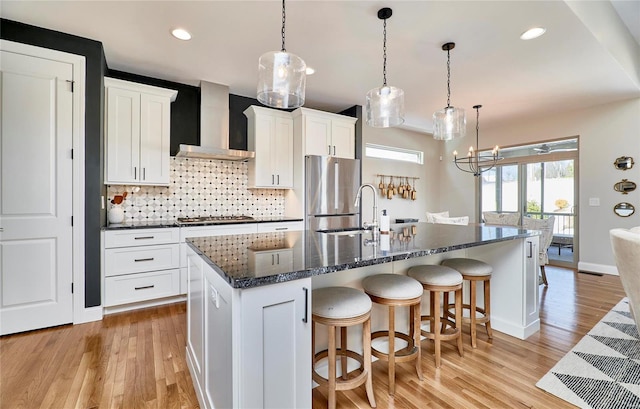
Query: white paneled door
{"type": "Point", "coordinates": [36, 192]}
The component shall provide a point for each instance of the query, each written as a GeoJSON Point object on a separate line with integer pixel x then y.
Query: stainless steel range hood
{"type": "Point", "coordinates": [214, 127]}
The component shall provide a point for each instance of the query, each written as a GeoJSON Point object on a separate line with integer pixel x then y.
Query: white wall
{"type": "Point", "coordinates": [605, 132]}
{"type": "Point", "coordinates": [427, 186]}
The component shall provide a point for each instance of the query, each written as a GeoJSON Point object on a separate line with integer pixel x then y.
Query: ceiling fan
{"type": "Point", "coordinates": [545, 149]}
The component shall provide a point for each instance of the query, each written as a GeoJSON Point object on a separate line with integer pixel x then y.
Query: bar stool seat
{"type": "Point", "coordinates": [438, 279]}
{"type": "Point", "coordinates": [395, 290]}
{"type": "Point", "coordinates": [342, 307]}
{"type": "Point", "coordinates": [474, 271]}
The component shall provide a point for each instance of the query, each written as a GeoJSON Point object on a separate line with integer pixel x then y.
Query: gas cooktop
{"type": "Point", "coordinates": [214, 219]}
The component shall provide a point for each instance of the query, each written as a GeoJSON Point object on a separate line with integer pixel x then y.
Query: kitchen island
{"type": "Point", "coordinates": [249, 300]}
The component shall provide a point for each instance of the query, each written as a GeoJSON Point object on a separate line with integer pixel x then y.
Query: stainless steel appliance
{"type": "Point", "coordinates": [331, 184]}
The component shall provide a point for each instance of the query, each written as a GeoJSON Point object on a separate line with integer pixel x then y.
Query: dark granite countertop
{"type": "Point", "coordinates": [148, 224]}
{"type": "Point", "coordinates": [151, 224]}
{"type": "Point", "coordinates": [313, 253]}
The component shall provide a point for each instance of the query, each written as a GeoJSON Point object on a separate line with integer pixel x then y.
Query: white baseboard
{"type": "Point", "coordinates": [597, 268]}
{"type": "Point", "coordinates": [89, 314]}
{"type": "Point", "coordinates": [513, 329]}
{"type": "Point", "coordinates": [143, 304]}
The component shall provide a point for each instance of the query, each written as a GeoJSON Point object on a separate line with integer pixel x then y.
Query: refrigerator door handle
{"type": "Point", "coordinates": [336, 183]}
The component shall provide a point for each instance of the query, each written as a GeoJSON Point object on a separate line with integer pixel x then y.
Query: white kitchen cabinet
{"type": "Point", "coordinates": [324, 133]}
{"type": "Point", "coordinates": [256, 344]}
{"type": "Point", "coordinates": [137, 133]}
{"type": "Point", "coordinates": [195, 318]}
{"type": "Point", "coordinates": [270, 135]}
{"type": "Point", "coordinates": [140, 265]}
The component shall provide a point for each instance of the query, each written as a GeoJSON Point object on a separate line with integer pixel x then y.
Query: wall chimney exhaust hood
{"type": "Point", "coordinates": [214, 127]}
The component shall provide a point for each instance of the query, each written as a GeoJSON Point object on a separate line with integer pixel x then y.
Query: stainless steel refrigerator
{"type": "Point", "coordinates": [332, 185]}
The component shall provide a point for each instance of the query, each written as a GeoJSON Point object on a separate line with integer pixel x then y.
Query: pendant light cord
{"type": "Point", "coordinates": [284, 17]}
{"type": "Point", "coordinates": [448, 78]}
{"type": "Point", "coordinates": [384, 53]}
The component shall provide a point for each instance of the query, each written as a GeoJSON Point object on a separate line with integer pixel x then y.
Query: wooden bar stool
{"type": "Point", "coordinates": [441, 279]}
{"type": "Point", "coordinates": [474, 271]}
{"type": "Point", "coordinates": [342, 307]}
{"type": "Point", "coordinates": [395, 290]}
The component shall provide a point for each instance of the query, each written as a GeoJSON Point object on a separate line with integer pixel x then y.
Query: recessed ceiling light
{"type": "Point", "coordinates": [310, 71]}
{"type": "Point", "coordinates": [532, 33]}
{"type": "Point", "coordinates": [181, 34]}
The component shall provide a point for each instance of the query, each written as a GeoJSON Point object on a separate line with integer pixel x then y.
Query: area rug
{"type": "Point", "coordinates": [603, 370]}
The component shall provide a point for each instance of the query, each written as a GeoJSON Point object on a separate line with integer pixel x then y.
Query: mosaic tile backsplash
{"type": "Point", "coordinates": [200, 187]}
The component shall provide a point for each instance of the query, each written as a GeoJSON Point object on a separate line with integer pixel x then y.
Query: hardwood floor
{"type": "Point", "coordinates": [137, 360]}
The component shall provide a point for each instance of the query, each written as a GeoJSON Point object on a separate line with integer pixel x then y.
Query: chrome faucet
{"type": "Point", "coordinates": [373, 226]}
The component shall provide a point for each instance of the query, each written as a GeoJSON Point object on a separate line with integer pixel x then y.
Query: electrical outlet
{"type": "Point", "coordinates": [139, 202]}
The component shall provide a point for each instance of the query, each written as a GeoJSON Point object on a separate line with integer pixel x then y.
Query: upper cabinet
{"type": "Point", "coordinates": [270, 135]}
{"type": "Point", "coordinates": [137, 133]}
{"type": "Point", "coordinates": [324, 133]}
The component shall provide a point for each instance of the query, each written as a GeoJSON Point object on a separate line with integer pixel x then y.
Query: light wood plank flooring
{"type": "Point", "coordinates": [137, 360]}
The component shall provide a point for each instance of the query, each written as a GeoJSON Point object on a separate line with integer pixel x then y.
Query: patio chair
{"type": "Point", "coordinates": [546, 226]}
{"type": "Point", "coordinates": [626, 251]}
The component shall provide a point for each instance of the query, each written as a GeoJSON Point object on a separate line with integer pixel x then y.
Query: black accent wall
{"type": "Point", "coordinates": [185, 110]}
{"type": "Point", "coordinates": [94, 166]}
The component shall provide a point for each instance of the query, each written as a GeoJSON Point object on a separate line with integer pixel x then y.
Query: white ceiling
{"type": "Point", "coordinates": [587, 57]}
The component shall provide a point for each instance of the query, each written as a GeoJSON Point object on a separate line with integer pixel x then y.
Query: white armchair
{"type": "Point", "coordinates": [504, 219]}
{"type": "Point", "coordinates": [546, 227]}
{"type": "Point", "coordinates": [626, 251]}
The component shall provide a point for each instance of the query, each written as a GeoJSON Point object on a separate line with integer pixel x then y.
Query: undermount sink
{"type": "Point", "coordinates": [345, 232]}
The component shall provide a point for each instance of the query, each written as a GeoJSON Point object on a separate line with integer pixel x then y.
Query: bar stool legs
{"type": "Point", "coordinates": [475, 271]}
{"type": "Point", "coordinates": [436, 280]}
{"type": "Point", "coordinates": [342, 307]}
{"type": "Point", "coordinates": [394, 290]}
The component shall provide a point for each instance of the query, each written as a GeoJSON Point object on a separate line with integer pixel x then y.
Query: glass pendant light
{"type": "Point", "coordinates": [451, 122]}
{"type": "Point", "coordinates": [281, 77]}
{"type": "Point", "coordinates": [385, 105]}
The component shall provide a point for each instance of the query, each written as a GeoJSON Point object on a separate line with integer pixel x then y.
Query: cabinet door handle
{"type": "Point", "coordinates": [306, 305]}
{"type": "Point", "coordinates": [282, 228]}
{"type": "Point", "coordinates": [143, 259]}
{"type": "Point", "coordinates": [272, 259]}
{"type": "Point", "coordinates": [143, 238]}
{"type": "Point", "coordinates": [530, 250]}
{"type": "Point", "coordinates": [278, 176]}
{"type": "Point", "coordinates": [273, 180]}
{"type": "Point", "coordinates": [278, 258]}
{"type": "Point", "coordinates": [144, 287]}
{"type": "Point", "coordinates": [329, 146]}
{"type": "Point", "coordinates": [135, 172]}
{"type": "Point", "coordinates": [334, 150]}
{"type": "Point", "coordinates": [144, 173]}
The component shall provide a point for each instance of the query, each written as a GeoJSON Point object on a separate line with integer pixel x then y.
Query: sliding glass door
{"type": "Point", "coordinates": [537, 188]}
{"type": "Point", "coordinates": [551, 191]}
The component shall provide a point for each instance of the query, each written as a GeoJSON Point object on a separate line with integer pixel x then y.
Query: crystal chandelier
{"type": "Point", "coordinates": [281, 77]}
{"type": "Point", "coordinates": [451, 122]}
{"type": "Point", "coordinates": [475, 162]}
{"type": "Point", "coordinates": [385, 105]}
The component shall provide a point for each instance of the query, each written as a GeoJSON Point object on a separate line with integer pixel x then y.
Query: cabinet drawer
{"type": "Point", "coordinates": [141, 287]}
{"type": "Point", "coordinates": [280, 226]}
{"type": "Point", "coordinates": [141, 237]}
{"type": "Point", "coordinates": [127, 260]}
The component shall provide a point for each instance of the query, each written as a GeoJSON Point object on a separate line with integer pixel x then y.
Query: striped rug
{"type": "Point", "coordinates": [603, 370]}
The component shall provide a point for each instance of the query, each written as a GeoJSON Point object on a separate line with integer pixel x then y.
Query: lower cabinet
{"type": "Point", "coordinates": [256, 342]}
{"type": "Point", "coordinates": [140, 265]}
